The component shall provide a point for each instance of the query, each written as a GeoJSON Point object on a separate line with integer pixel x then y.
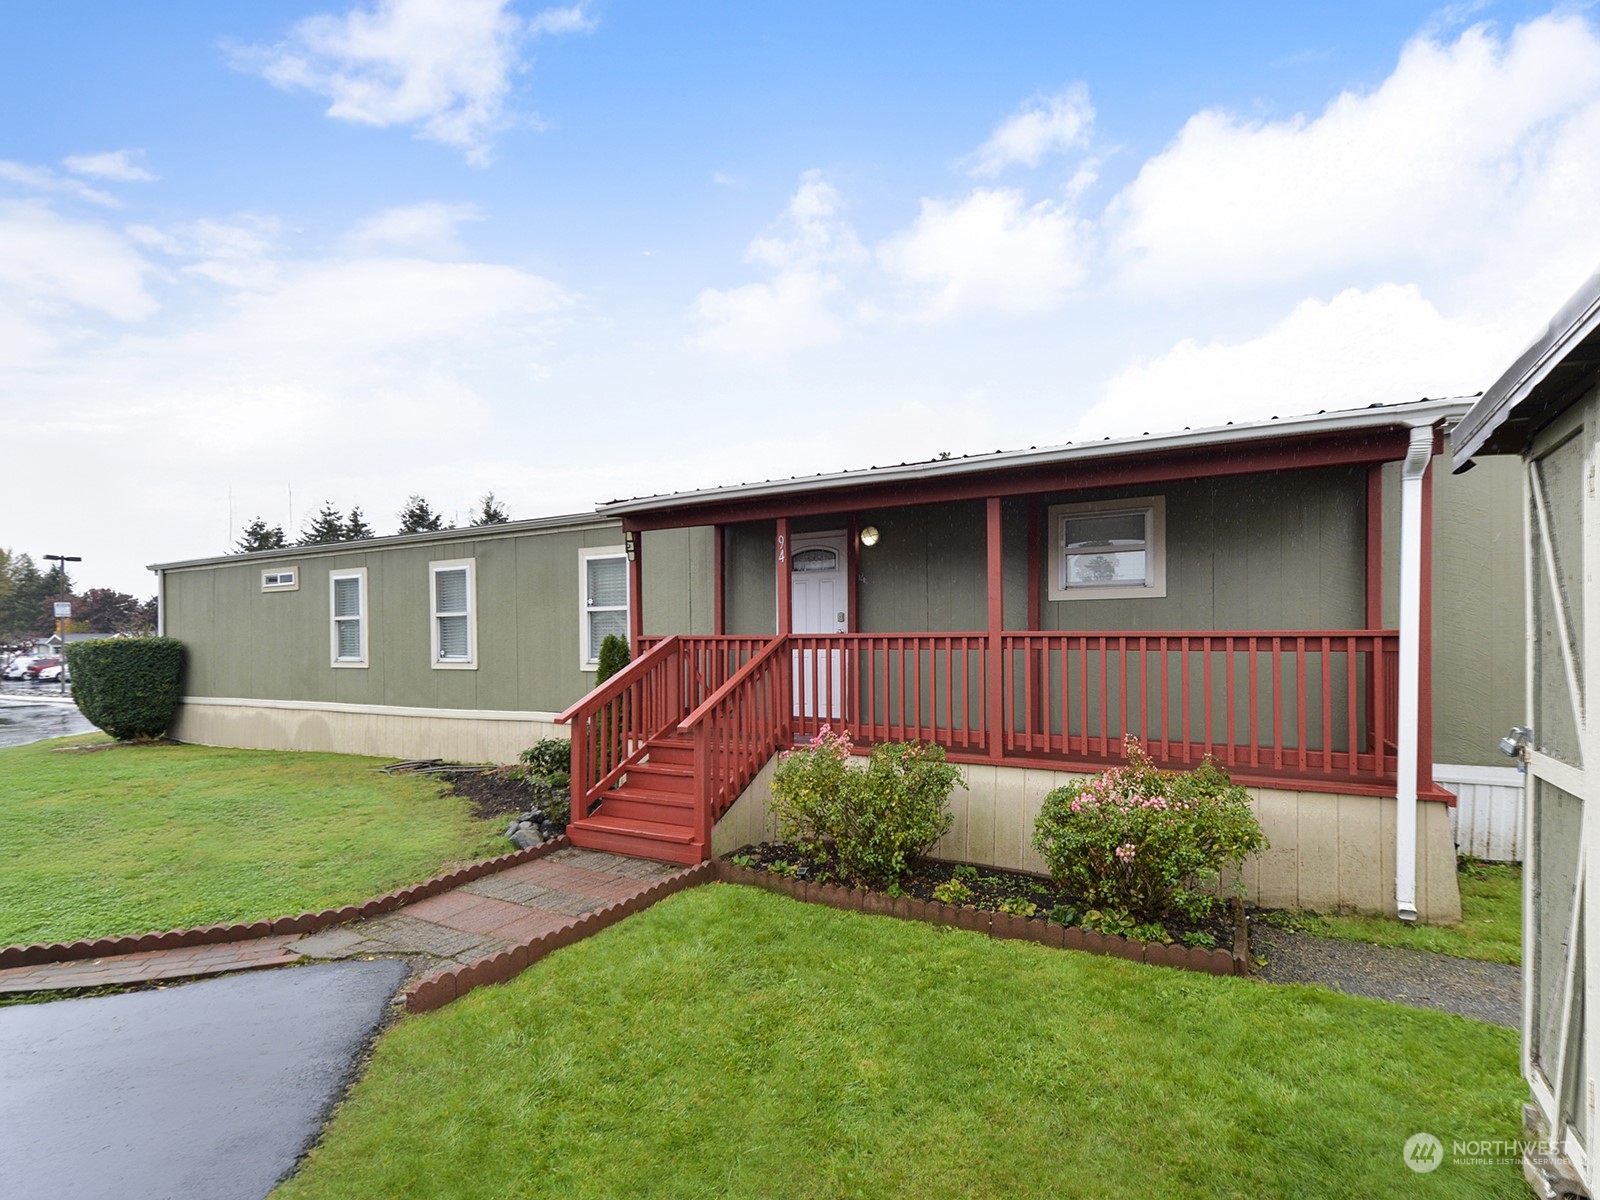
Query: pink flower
{"type": "Point", "coordinates": [1126, 852]}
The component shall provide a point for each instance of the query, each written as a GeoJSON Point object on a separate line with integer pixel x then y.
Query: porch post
{"type": "Point", "coordinates": [635, 539]}
{"type": "Point", "coordinates": [852, 566]}
{"type": "Point", "coordinates": [994, 682]}
{"type": "Point", "coordinates": [1374, 547]}
{"type": "Point", "coordinates": [785, 590]}
{"type": "Point", "coordinates": [719, 583]}
{"type": "Point", "coordinates": [1408, 761]}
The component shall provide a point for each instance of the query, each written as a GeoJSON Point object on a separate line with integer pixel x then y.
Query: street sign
{"type": "Point", "coordinates": [63, 610]}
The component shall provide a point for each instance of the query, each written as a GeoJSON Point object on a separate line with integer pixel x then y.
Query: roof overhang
{"type": "Point", "coordinates": [1376, 434]}
{"type": "Point", "coordinates": [1544, 380]}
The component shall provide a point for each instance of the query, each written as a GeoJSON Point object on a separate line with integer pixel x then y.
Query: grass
{"type": "Point", "coordinates": [730, 1042]}
{"type": "Point", "coordinates": [138, 838]}
{"type": "Point", "coordinates": [1490, 928]}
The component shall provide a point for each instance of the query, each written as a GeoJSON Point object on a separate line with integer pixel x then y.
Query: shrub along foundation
{"type": "Point", "coordinates": [1234, 961]}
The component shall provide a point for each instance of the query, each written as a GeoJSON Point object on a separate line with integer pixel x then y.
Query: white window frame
{"type": "Point", "coordinates": [470, 663]}
{"type": "Point", "coordinates": [272, 575]}
{"type": "Point", "coordinates": [333, 621]}
{"type": "Point", "coordinates": [589, 656]}
{"type": "Point", "coordinates": [1154, 511]}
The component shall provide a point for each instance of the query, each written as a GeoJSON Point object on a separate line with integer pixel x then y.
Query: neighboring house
{"type": "Point", "coordinates": [1546, 408]}
{"type": "Point", "coordinates": [1260, 592]}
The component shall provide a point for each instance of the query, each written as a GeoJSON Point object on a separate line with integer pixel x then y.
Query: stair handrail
{"type": "Point", "coordinates": [593, 770]}
{"type": "Point", "coordinates": [688, 724]}
{"type": "Point", "coordinates": [738, 750]}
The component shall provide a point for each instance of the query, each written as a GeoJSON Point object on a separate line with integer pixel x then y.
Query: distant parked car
{"type": "Point", "coordinates": [17, 668]}
{"type": "Point", "coordinates": [53, 674]}
{"type": "Point", "coordinates": [41, 664]}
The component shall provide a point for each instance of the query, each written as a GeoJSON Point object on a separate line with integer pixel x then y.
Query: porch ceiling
{"type": "Point", "coordinates": [1376, 434]}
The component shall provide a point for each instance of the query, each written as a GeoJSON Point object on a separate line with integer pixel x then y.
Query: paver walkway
{"type": "Point", "coordinates": [454, 928]}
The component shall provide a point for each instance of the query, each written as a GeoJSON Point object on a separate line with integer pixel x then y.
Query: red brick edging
{"type": "Point", "coordinates": [998, 924]}
{"type": "Point", "coordinates": [444, 986]}
{"type": "Point", "coordinates": [306, 922]}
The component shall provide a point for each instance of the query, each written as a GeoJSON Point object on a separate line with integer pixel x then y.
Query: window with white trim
{"type": "Point", "coordinates": [603, 593]}
{"type": "Point", "coordinates": [455, 622]}
{"type": "Point", "coordinates": [1108, 549]}
{"type": "Point", "coordinates": [280, 579]}
{"type": "Point", "coordinates": [347, 597]}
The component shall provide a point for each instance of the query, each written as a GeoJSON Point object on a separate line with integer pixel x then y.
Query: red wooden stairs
{"type": "Point", "coordinates": [651, 812]}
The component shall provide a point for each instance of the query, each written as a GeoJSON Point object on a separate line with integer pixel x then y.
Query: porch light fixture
{"type": "Point", "coordinates": [869, 536]}
{"type": "Point", "coordinates": [627, 541]}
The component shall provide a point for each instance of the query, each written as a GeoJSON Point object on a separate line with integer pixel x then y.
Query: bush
{"type": "Point", "coordinates": [613, 657]}
{"type": "Point", "coordinates": [551, 757]}
{"type": "Point", "coordinates": [1141, 844]}
{"type": "Point", "coordinates": [874, 821]}
{"type": "Point", "coordinates": [129, 687]}
{"type": "Point", "coordinates": [548, 773]}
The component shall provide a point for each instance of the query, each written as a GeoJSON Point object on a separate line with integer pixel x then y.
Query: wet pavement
{"type": "Point", "coordinates": [209, 1091]}
{"type": "Point", "coordinates": [32, 712]}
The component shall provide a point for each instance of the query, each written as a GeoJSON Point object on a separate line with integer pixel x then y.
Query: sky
{"type": "Point", "coordinates": [256, 257]}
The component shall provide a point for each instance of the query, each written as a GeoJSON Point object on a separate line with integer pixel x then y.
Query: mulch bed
{"type": "Point", "coordinates": [990, 887]}
{"type": "Point", "coordinates": [491, 794]}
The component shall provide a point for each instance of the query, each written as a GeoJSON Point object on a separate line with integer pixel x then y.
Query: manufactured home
{"type": "Point", "coordinates": [1263, 593]}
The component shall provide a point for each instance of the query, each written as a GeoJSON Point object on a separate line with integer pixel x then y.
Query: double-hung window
{"type": "Point", "coordinates": [603, 587]}
{"type": "Point", "coordinates": [348, 603]}
{"type": "Point", "coordinates": [1108, 549]}
{"type": "Point", "coordinates": [455, 624]}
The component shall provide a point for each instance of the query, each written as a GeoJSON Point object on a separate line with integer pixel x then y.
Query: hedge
{"type": "Point", "coordinates": [128, 687]}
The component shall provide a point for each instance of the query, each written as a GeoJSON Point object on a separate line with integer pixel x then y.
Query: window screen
{"type": "Point", "coordinates": [451, 614]}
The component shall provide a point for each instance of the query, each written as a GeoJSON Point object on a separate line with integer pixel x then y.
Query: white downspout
{"type": "Point", "coordinates": [1418, 455]}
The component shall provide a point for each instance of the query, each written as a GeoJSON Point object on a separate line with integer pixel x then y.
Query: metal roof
{"type": "Point", "coordinates": [1411, 413]}
{"type": "Point", "coordinates": [472, 532]}
{"type": "Point", "coordinates": [1537, 385]}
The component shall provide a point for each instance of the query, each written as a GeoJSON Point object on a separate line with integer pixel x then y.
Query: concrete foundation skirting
{"type": "Point", "coordinates": [383, 732]}
{"type": "Point", "coordinates": [1326, 852]}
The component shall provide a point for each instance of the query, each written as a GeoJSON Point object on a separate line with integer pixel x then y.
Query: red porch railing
{"type": "Point", "coordinates": [738, 728]}
{"type": "Point", "coordinates": [1293, 703]}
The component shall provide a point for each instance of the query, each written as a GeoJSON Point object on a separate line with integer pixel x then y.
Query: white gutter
{"type": "Point", "coordinates": [1413, 472]}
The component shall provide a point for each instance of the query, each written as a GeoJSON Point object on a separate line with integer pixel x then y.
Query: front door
{"type": "Point", "coordinates": [820, 591]}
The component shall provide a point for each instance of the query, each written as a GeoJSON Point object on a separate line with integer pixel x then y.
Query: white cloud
{"type": "Point", "coordinates": [59, 275]}
{"type": "Point", "coordinates": [792, 311]}
{"type": "Point", "coordinates": [429, 228]}
{"type": "Point", "coordinates": [1045, 125]}
{"type": "Point", "coordinates": [1456, 148]}
{"type": "Point", "coordinates": [117, 165]}
{"type": "Point", "coordinates": [441, 66]}
{"type": "Point", "coordinates": [237, 253]}
{"type": "Point", "coordinates": [1384, 345]}
{"type": "Point", "coordinates": [42, 179]}
{"type": "Point", "coordinates": [992, 252]}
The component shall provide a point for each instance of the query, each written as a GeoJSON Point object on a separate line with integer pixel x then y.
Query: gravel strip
{"type": "Point", "coordinates": [1483, 991]}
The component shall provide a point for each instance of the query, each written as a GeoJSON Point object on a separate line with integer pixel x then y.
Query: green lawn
{"type": "Point", "coordinates": [139, 838]}
{"type": "Point", "coordinates": [1490, 929]}
{"type": "Point", "coordinates": [730, 1042]}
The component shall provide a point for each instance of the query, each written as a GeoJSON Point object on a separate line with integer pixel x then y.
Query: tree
{"type": "Point", "coordinates": [258, 535]}
{"type": "Point", "coordinates": [20, 609]}
{"type": "Point", "coordinates": [149, 616]}
{"type": "Point", "coordinates": [417, 517]}
{"type": "Point", "coordinates": [327, 526]}
{"type": "Point", "coordinates": [105, 610]}
{"type": "Point", "coordinates": [493, 513]}
{"type": "Point", "coordinates": [356, 527]}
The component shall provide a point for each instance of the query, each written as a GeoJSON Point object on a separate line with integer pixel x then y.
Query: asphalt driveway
{"type": "Point", "coordinates": [211, 1090]}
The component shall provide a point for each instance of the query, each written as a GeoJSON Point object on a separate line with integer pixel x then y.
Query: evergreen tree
{"type": "Point", "coordinates": [327, 526]}
{"type": "Point", "coordinates": [149, 616]}
{"type": "Point", "coordinates": [417, 517]}
{"type": "Point", "coordinates": [493, 513]}
{"type": "Point", "coordinates": [258, 535]}
{"type": "Point", "coordinates": [613, 657]}
{"type": "Point", "coordinates": [356, 527]}
{"type": "Point", "coordinates": [19, 610]}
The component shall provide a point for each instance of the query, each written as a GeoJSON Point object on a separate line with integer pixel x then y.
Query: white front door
{"type": "Point", "coordinates": [820, 590]}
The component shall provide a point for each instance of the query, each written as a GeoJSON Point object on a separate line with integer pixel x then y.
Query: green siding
{"type": "Point", "coordinates": [752, 590]}
{"type": "Point", "coordinates": [1479, 620]}
{"type": "Point", "coordinates": [276, 646]}
{"type": "Point", "coordinates": [678, 580]}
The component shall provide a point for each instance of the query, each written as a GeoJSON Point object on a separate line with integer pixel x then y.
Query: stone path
{"type": "Point", "coordinates": [454, 928]}
{"type": "Point", "coordinates": [1483, 991]}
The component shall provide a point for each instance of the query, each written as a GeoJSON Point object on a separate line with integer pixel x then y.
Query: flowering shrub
{"type": "Point", "coordinates": [1147, 844]}
{"type": "Point", "coordinates": [873, 821]}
